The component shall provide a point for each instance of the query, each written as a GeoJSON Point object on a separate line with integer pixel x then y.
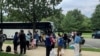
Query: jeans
{"type": "Point", "coordinates": [15, 46]}
{"type": "Point", "coordinates": [27, 43]}
{"type": "Point", "coordinates": [48, 49]}
{"type": "Point", "coordinates": [23, 47]}
{"type": "Point", "coordinates": [36, 43]}
{"type": "Point", "coordinates": [65, 45]}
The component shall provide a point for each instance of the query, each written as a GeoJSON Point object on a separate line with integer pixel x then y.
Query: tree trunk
{"type": "Point", "coordinates": [34, 24]}
{"type": "Point", "coordinates": [33, 28]}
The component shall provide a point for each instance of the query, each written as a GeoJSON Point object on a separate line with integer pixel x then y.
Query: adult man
{"type": "Point", "coordinates": [22, 42]}
{"type": "Point", "coordinates": [1, 40]}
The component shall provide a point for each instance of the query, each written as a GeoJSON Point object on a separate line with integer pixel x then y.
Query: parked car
{"type": "Point", "coordinates": [96, 34]}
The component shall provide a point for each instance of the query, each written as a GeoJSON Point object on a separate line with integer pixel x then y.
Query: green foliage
{"type": "Point", "coordinates": [57, 19]}
{"type": "Point", "coordinates": [96, 18]}
{"type": "Point", "coordinates": [7, 54]}
{"type": "Point", "coordinates": [86, 25]}
{"type": "Point", "coordinates": [30, 10]}
{"type": "Point", "coordinates": [73, 21]}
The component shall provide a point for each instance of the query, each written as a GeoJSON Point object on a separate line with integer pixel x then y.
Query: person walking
{"type": "Point", "coordinates": [15, 42]}
{"type": "Point", "coordinates": [22, 38]}
{"type": "Point", "coordinates": [1, 40]}
{"type": "Point", "coordinates": [48, 44]}
{"type": "Point", "coordinates": [77, 44]}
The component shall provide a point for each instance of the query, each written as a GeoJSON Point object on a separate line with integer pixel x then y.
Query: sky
{"type": "Point", "coordinates": [87, 7]}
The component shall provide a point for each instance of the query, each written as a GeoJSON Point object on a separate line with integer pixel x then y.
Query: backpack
{"type": "Point", "coordinates": [8, 49]}
{"type": "Point", "coordinates": [60, 42]}
{"type": "Point", "coordinates": [82, 41]}
{"type": "Point", "coordinates": [52, 40]}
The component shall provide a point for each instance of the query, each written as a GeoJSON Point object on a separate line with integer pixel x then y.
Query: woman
{"type": "Point", "coordinates": [27, 40]}
{"type": "Point", "coordinates": [15, 42]}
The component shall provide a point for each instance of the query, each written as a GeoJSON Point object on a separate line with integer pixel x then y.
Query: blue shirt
{"type": "Point", "coordinates": [60, 42]}
{"type": "Point", "coordinates": [15, 38]}
{"type": "Point", "coordinates": [36, 36]}
{"type": "Point", "coordinates": [77, 39]}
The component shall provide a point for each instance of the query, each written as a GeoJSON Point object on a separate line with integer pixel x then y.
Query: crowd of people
{"type": "Point", "coordinates": [63, 43]}
{"type": "Point", "coordinates": [27, 41]}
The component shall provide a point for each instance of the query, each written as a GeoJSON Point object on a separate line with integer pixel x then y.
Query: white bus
{"type": "Point", "coordinates": [9, 29]}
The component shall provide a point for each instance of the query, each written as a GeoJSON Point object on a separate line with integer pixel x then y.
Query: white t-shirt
{"type": "Point", "coordinates": [53, 52]}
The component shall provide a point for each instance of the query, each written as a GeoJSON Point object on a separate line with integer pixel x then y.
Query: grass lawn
{"type": "Point", "coordinates": [7, 54]}
{"type": "Point", "coordinates": [91, 49]}
{"type": "Point", "coordinates": [87, 35]}
{"type": "Point", "coordinates": [8, 42]}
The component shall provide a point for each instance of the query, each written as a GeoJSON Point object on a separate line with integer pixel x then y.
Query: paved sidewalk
{"type": "Point", "coordinates": [40, 51]}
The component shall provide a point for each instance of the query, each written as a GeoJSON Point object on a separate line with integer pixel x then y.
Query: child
{"type": "Point", "coordinates": [33, 43]}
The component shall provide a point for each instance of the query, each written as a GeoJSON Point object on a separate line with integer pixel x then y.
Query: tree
{"type": "Point", "coordinates": [31, 10]}
{"type": "Point", "coordinates": [96, 18]}
{"type": "Point", "coordinates": [57, 19]}
{"type": "Point", "coordinates": [73, 21]}
{"type": "Point", "coordinates": [86, 25]}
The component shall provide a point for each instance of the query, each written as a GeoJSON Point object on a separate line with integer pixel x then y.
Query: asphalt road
{"type": "Point", "coordinates": [93, 43]}
{"type": "Point", "coordinates": [89, 43]}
